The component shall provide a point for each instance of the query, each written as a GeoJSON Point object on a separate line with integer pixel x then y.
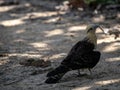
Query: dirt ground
{"type": "Point", "coordinates": [35, 30]}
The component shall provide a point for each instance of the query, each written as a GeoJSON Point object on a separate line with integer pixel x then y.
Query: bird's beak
{"type": "Point", "coordinates": [104, 31]}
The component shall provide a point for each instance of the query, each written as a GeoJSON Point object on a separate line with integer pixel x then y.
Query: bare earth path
{"type": "Point", "coordinates": [30, 30]}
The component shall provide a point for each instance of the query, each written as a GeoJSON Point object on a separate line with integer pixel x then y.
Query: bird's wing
{"type": "Point", "coordinates": [91, 59]}
{"type": "Point", "coordinates": [77, 51]}
{"type": "Point", "coordinates": [87, 60]}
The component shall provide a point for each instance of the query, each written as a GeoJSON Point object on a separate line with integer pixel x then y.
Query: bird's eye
{"type": "Point", "coordinates": [89, 30]}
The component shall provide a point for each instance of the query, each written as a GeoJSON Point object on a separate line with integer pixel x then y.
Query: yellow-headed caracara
{"type": "Point", "coordinates": [81, 56]}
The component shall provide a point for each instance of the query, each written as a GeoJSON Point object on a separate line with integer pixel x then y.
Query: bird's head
{"type": "Point", "coordinates": [91, 36]}
{"type": "Point", "coordinates": [92, 28]}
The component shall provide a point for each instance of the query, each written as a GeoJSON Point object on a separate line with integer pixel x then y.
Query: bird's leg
{"type": "Point", "coordinates": [90, 76]}
{"type": "Point", "coordinates": [79, 74]}
{"type": "Point", "coordinates": [90, 71]}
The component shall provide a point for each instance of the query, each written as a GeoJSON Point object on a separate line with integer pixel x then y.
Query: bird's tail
{"type": "Point", "coordinates": [55, 75]}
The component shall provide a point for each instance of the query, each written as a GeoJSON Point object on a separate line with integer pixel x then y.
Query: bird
{"type": "Point", "coordinates": [81, 56]}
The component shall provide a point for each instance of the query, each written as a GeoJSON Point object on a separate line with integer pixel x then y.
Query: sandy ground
{"type": "Point", "coordinates": [30, 30]}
